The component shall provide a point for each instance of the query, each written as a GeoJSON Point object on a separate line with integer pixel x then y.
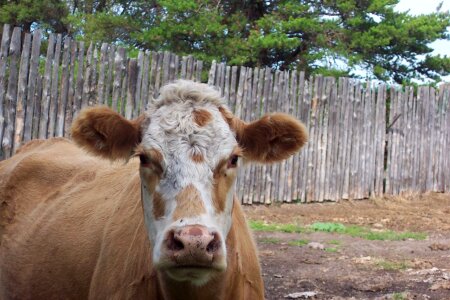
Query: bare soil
{"type": "Point", "coordinates": [355, 268]}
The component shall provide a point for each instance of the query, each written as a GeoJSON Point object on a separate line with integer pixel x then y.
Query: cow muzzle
{"type": "Point", "coordinates": [193, 253]}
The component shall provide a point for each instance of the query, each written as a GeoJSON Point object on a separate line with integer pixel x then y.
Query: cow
{"type": "Point", "coordinates": [152, 214]}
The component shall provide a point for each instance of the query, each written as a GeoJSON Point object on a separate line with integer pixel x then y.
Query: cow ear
{"type": "Point", "coordinates": [270, 139]}
{"type": "Point", "coordinates": [105, 133]}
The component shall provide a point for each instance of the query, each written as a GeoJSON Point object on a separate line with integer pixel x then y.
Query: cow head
{"type": "Point", "coordinates": [190, 147]}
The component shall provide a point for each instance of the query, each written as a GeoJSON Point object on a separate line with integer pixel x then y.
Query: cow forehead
{"type": "Point", "coordinates": [190, 148]}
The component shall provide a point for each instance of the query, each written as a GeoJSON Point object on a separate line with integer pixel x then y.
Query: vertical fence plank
{"type": "Point", "coordinates": [265, 172]}
{"type": "Point", "coordinates": [109, 77]}
{"type": "Point", "coordinates": [131, 87]}
{"type": "Point", "coordinates": [71, 92]}
{"type": "Point", "coordinates": [37, 106]}
{"type": "Point", "coordinates": [45, 102]}
{"type": "Point", "coordinates": [306, 118]}
{"type": "Point", "coordinates": [80, 80]}
{"type": "Point", "coordinates": [300, 170]}
{"type": "Point", "coordinates": [22, 92]}
{"type": "Point", "coordinates": [32, 77]}
{"type": "Point", "coordinates": [64, 90]}
{"type": "Point", "coordinates": [54, 88]}
{"type": "Point", "coordinates": [123, 93]}
{"type": "Point", "coordinates": [119, 65]}
{"type": "Point", "coordinates": [145, 82]}
{"type": "Point", "coordinates": [4, 46]}
{"type": "Point", "coordinates": [238, 113]}
{"type": "Point", "coordinates": [138, 83]}
{"type": "Point", "coordinates": [87, 76]}
{"type": "Point", "coordinates": [331, 141]}
{"type": "Point", "coordinates": [101, 73]}
{"type": "Point", "coordinates": [11, 93]}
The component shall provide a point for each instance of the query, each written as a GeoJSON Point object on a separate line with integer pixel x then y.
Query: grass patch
{"type": "Point", "coordinates": [352, 230]}
{"type": "Point", "coordinates": [328, 227]}
{"type": "Point", "coordinates": [331, 249]}
{"type": "Point", "coordinates": [365, 233]}
{"type": "Point", "coordinates": [271, 227]}
{"type": "Point", "coordinates": [392, 265]}
{"type": "Point", "coordinates": [299, 243]}
{"type": "Point", "coordinates": [270, 240]}
{"type": "Point", "coordinates": [399, 296]}
{"type": "Point", "coordinates": [334, 242]}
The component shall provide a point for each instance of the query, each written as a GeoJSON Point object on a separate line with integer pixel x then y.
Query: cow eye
{"type": "Point", "coordinates": [232, 162]}
{"type": "Point", "coordinates": [145, 160]}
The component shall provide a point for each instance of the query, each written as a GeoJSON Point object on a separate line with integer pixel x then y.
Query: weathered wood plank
{"type": "Point", "coordinates": [80, 80]}
{"type": "Point", "coordinates": [71, 93]}
{"type": "Point", "coordinates": [109, 80]}
{"type": "Point", "coordinates": [22, 92]}
{"type": "Point", "coordinates": [45, 102]}
{"type": "Point", "coordinates": [131, 88]}
{"type": "Point", "coordinates": [145, 82]}
{"type": "Point", "coordinates": [87, 76]}
{"type": "Point", "coordinates": [32, 77]}
{"type": "Point", "coordinates": [11, 93]}
{"type": "Point", "coordinates": [137, 97]}
{"type": "Point", "coordinates": [101, 74]}
{"type": "Point", "coordinates": [4, 49]}
{"type": "Point", "coordinates": [54, 88]}
{"type": "Point", "coordinates": [119, 70]}
{"type": "Point", "coordinates": [64, 91]}
{"type": "Point", "coordinates": [267, 99]}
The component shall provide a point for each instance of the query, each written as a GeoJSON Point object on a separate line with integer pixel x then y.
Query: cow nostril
{"type": "Point", "coordinates": [214, 245]}
{"type": "Point", "coordinates": [173, 243]}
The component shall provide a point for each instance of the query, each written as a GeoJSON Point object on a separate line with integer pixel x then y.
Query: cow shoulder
{"type": "Point", "coordinates": [36, 172]}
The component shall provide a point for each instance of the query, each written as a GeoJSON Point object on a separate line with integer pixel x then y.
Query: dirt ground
{"type": "Point", "coordinates": [338, 266]}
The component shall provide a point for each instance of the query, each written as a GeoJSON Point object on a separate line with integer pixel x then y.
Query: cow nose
{"type": "Point", "coordinates": [192, 245]}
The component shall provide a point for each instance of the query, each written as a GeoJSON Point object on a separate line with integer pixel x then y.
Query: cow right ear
{"type": "Point", "coordinates": [103, 132]}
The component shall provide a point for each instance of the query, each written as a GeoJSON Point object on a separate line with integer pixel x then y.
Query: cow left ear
{"type": "Point", "coordinates": [272, 138]}
{"type": "Point", "coordinates": [105, 133]}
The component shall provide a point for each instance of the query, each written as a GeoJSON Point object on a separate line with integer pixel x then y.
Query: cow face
{"type": "Point", "coordinates": [190, 147]}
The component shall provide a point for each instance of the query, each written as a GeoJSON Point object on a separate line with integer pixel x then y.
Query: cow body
{"type": "Point", "coordinates": [159, 220]}
{"type": "Point", "coordinates": [66, 232]}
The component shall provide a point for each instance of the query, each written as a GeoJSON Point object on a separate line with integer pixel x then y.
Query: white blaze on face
{"type": "Point", "coordinates": [193, 183]}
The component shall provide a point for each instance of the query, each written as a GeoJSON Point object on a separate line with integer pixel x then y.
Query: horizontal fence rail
{"type": "Point", "coordinates": [365, 139]}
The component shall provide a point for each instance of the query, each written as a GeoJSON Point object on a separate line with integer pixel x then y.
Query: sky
{"type": "Point", "coordinates": [417, 7]}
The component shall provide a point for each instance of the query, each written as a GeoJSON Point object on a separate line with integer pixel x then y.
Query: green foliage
{"type": "Point", "coordinates": [333, 38]}
{"type": "Point", "coordinates": [46, 14]}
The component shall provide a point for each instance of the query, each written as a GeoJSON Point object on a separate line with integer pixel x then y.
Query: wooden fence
{"type": "Point", "coordinates": [366, 139]}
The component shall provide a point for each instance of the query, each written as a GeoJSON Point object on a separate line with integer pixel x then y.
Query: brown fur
{"type": "Point", "coordinates": [202, 117]}
{"type": "Point", "coordinates": [197, 157]}
{"type": "Point", "coordinates": [270, 139]}
{"type": "Point", "coordinates": [72, 225]}
{"type": "Point", "coordinates": [105, 133]}
{"type": "Point", "coordinates": [78, 233]}
{"type": "Point", "coordinates": [159, 208]}
{"type": "Point", "coordinates": [222, 184]}
{"type": "Point", "coordinates": [189, 203]}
